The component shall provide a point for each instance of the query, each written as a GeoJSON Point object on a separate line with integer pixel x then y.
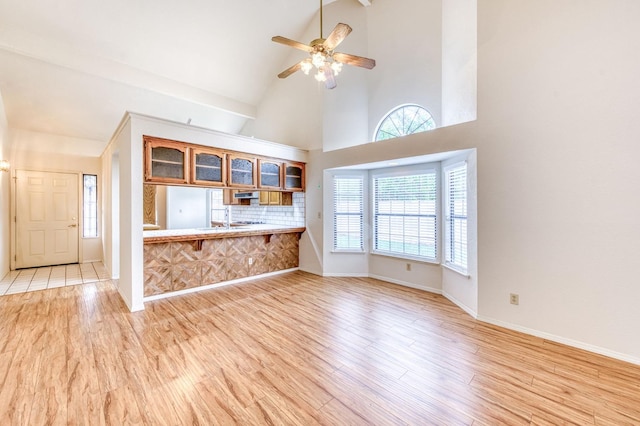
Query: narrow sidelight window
{"type": "Point", "coordinates": [348, 213]}
{"type": "Point", "coordinates": [90, 206]}
{"type": "Point", "coordinates": [456, 216]}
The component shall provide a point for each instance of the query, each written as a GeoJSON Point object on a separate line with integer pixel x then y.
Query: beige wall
{"type": "Point", "coordinates": [405, 39]}
{"type": "Point", "coordinates": [5, 179]}
{"type": "Point", "coordinates": [90, 249]}
{"type": "Point", "coordinates": [557, 141]}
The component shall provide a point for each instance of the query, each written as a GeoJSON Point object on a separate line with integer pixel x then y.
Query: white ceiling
{"type": "Point", "coordinates": [74, 68]}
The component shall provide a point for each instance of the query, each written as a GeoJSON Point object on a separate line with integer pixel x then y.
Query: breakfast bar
{"type": "Point", "coordinates": [179, 259]}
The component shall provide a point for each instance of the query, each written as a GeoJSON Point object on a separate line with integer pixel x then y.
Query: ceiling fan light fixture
{"type": "Point", "coordinates": [306, 66]}
{"type": "Point", "coordinates": [318, 59]}
{"type": "Point", "coordinates": [336, 67]}
{"type": "Point", "coordinates": [323, 56]}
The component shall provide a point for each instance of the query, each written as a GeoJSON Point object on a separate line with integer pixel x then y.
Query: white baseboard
{"type": "Point", "coordinates": [461, 305]}
{"type": "Point", "coordinates": [345, 275]}
{"type": "Point", "coordinates": [131, 306]}
{"type": "Point", "coordinates": [563, 340]}
{"type": "Point", "coordinates": [216, 285]}
{"type": "Point", "coordinates": [309, 271]}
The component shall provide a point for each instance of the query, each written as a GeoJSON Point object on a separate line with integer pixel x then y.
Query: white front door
{"type": "Point", "coordinates": [46, 218]}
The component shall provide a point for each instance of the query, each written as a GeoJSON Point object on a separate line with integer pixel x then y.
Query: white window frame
{"type": "Point", "coordinates": [453, 235]}
{"type": "Point", "coordinates": [90, 207]}
{"type": "Point", "coordinates": [342, 214]}
{"type": "Point", "coordinates": [421, 169]}
{"type": "Point", "coordinates": [403, 128]}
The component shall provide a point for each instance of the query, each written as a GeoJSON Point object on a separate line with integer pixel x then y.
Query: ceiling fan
{"type": "Point", "coordinates": [322, 55]}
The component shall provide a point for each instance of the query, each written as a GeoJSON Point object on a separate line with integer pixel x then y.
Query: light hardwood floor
{"type": "Point", "coordinates": [291, 349]}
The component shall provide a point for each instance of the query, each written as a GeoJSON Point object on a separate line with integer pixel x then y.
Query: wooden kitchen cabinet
{"type": "Point", "coordinates": [242, 171]}
{"type": "Point", "coordinates": [180, 163]}
{"type": "Point", "coordinates": [166, 161]}
{"type": "Point", "coordinates": [294, 176]}
{"type": "Point", "coordinates": [229, 199]}
{"type": "Point", "coordinates": [270, 174]}
{"type": "Point", "coordinates": [208, 167]}
{"type": "Point", "coordinates": [263, 199]}
{"type": "Point", "coordinates": [275, 198]}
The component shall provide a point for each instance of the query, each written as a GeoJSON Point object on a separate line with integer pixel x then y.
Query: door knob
{"type": "Point", "coordinates": [73, 225]}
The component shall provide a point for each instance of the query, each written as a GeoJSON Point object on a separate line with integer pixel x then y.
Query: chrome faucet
{"type": "Point", "coordinates": [227, 217]}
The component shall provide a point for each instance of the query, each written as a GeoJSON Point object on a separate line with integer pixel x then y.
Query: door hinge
{"type": "Point", "coordinates": [15, 257]}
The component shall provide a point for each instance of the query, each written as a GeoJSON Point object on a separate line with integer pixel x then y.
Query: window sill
{"type": "Point", "coordinates": [456, 270]}
{"type": "Point", "coordinates": [412, 258]}
{"type": "Point", "coordinates": [348, 252]}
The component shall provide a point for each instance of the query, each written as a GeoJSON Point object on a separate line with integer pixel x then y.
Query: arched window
{"type": "Point", "coordinates": [404, 120]}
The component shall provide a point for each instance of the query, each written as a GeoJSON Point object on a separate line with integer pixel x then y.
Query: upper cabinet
{"type": "Point", "coordinates": [270, 174]}
{"type": "Point", "coordinates": [166, 161]}
{"type": "Point", "coordinates": [180, 163]}
{"type": "Point", "coordinates": [208, 167]}
{"type": "Point", "coordinates": [242, 171]}
{"type": "Point", "coordinates": [294, 176]}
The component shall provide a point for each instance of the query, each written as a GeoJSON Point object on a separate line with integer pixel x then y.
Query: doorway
{"type": "Point", "coordinates": [46, 220]}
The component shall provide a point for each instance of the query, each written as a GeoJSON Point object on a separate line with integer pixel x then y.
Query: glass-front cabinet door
{"type": "Point", "coordinates": [294, 177]}
{"type": "Point", "coordinates": [242, 171]}
{"type": "Point", "coordinates": [269, 174]}
{"type": "Point", "coordinates": [165, 161]}
{"type": "Point", "coordinates": [208, 167]}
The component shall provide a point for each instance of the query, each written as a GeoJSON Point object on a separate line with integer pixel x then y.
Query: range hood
{"type": "Point", "coordinates": [246, 195]}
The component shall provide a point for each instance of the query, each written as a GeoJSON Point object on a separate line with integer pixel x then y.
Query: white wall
{"type": "Point", "coordinates": [557, 135]}
{"type": "Point", "coordinates": [33, 151]}
{"type": "Point", "coordinates": [463, 289]}
{"type": "Point", "coordinates": [556, 140]}
{"type": "Point", "coordinates": [344, 113]}
{"type": "Point", "coordinates": [5, 179]}
{"type": "Point", "coordinates": [459, 61]}
{"type": "Point", "coordinates": [291, 109]}
{"type": "Point", "coordinates": [111, 201]}
{"type": "Point", "coordinates": [405, 39]}
{"type": "Point", "coordinates": [312, 243]}
{"type": "Point", "coordinates": [187, 207]}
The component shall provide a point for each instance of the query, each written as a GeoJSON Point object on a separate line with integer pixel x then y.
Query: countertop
{"type": "Point", "coordinates": [168, 235]}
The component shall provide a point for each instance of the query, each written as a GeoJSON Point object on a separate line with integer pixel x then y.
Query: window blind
{"type": "Point", "coordinates": [348, 213]}
{"type": "Point", "coordinates": [456, 216]}
{"type": "Point", "coordinates": [405, 220]}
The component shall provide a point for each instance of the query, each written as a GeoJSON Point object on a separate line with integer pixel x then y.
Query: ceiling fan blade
{"type": "Point", "coordinates": [354, 60]}
{"type": "Point", "coordinates": [337, 35]}
{"type": "Point", "coordinates": [330, 78]}
{"type": "Point", "coordinates": [292, 43]}
{"type": "Point", "coordinates": [286, 73]}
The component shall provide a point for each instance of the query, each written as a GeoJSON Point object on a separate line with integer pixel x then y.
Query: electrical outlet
{"type": "Point", "coordinates": [408, 267]}
{"type": "Point", "coordinates": [514, 299]}
{"type": "Point", "coordinates": [251, 261]}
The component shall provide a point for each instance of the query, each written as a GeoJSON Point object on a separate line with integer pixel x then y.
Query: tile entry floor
{"type": "Point", "coordinates": [33, 279]}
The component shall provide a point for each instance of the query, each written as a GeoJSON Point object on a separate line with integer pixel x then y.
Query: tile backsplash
{"type": "Point", "coordinates": [275, 215]}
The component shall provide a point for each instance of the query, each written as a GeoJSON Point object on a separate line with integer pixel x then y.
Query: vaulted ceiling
{"type": "Point", "coordinates": [74, 68]}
